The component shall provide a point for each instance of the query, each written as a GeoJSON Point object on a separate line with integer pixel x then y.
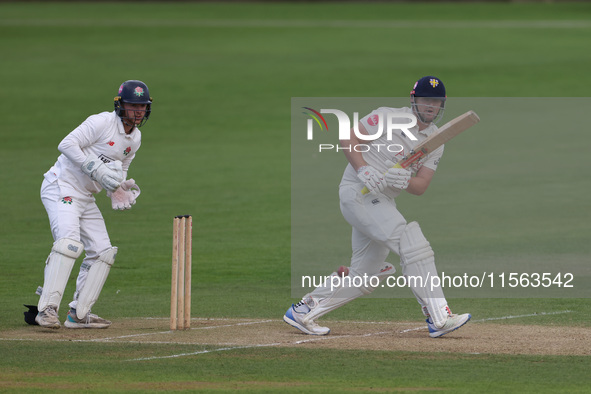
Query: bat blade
{"type": "Point", "coordinates": [448, 131]}
{"type": "Point", "coordinates": [445, 133]}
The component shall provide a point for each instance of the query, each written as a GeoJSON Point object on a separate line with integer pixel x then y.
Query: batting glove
{"type": "Point", "coordinates": [109, 176]}
{"type": "Point", "coordinates": [372, 178]}
{"type": "Point", "coordinates": [398, 178]}
{"type": "Point", "coordinates": [124, 197]}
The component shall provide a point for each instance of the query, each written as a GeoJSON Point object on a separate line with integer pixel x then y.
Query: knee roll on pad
{"type": "Point", "coordinates": [68, 247]}
{"type": "Point", "coordinates": [59, 265]}
{"type": "Point", "coordinates": [97, 275]}
{"type": "Point", "coordinates": [414, 247]}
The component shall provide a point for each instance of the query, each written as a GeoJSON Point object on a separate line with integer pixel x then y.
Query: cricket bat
{"type": "Point", "coordinates": [434, 141]}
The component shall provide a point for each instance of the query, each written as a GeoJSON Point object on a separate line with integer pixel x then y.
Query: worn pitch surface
{"type": "Point", "coordinates": [476, 337]}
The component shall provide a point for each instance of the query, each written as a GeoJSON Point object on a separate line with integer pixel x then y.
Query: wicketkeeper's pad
{"type": "Point", "coordinates": [97, 275]}
{"type": "Point", "coordinates": [59, 265]}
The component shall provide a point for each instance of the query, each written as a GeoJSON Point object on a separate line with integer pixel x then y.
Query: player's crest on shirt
{"type": "Point", "coordinates": [111, 143]}
{"type": "Point", "coordinates": [67, 200]}
{"type": "Point", "coordinates": [373, 120]}
{"type": "Point", "coordinates": [434, 82]}
{"type": "Point", "coordinates": [126, 151]}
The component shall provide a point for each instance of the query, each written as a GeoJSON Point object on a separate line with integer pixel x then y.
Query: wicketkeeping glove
{"type": "Point", "coordinates": [397, 177]}
{"type": "Point", "coordinates": [124, 197]}
{"type": "Point", "coordinates": [372, 178]}
{"type": "Point", "coordinates": [109, 176]}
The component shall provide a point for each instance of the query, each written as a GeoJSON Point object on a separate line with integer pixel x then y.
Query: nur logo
{"type": "Point", "coordinates": [385, 122]}
{"type": "Point", "coordinates": [315, 115]}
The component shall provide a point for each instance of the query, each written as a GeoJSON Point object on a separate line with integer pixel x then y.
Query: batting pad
{"type": "Point", "coordinates": [58, 267]}
{"type": "Point", "coordinates": [97, 275]}
{"type": "Point", "coordinates": [418, 266]}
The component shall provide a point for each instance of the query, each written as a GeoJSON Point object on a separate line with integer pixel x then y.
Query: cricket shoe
{"type": "Point", "coordinates": [296, 319]}
{"type": "Point", "coordinates": [90, 321]}
{"type": "Point", "coordinates": [452, 323]}
{"type": "Point", "coordinates": [48, 318]}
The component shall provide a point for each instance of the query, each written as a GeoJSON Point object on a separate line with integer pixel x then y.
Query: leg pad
{"type": "Point", "coordinates": [58, 267]}
{"type": "Point", "coordinates": [418, 265]}
{"type": "Point", "coordinates": [97, 275]}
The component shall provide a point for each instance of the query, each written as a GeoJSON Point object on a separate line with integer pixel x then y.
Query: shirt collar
{"type": "Point", "coordinates": [121, 129]}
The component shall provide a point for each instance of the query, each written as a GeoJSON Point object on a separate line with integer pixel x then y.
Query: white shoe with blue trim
{"type": "Point", "coordinates": [453, 323]}
{"type": "Point", "coordinates": [295, 317]}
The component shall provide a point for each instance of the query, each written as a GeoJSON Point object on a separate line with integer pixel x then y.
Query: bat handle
{"type": "Point", "coordinates": [365, 190]}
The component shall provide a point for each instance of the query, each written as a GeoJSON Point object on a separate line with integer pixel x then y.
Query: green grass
{"type": "Point", "coordinates": [218, 147]}
{"type": "Point", "coordinates": [289, 370]}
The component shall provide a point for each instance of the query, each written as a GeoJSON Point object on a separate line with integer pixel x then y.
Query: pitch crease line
{"type": "Point", "coordinates": [233, 325]}
{"type": "Point", "coordinates": [203, 352]}
{"type": "Point", "coordinates": [129, 336]}
{"type": "Point", "coordinates": [498, 318]}
{"type": "Point", "coordinates": [202, 319]}
{"type": "Point", "coordinates": [170, 332]}
{"type": "Point", "coordinates": [518, 316]}
{"type": "Point", "coordinates": [324, 338]}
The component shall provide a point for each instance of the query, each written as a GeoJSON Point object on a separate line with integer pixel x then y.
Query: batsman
{"type": "Point", "coordinates": [378, 227]}
{"type": "Point", "coordinates": [94, 156]}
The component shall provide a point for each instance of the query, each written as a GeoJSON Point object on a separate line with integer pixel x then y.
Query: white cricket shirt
{"type": "Point", "coordinates": [102, 135]}
{"type": "Point", "coordinates": [376, 152]}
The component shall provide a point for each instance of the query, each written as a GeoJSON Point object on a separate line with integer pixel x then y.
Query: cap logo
{"type": "Point", "coordinates": [139, 91]}
{"type": "Point", "coordinates": [434, 82]}
{"type": "Point", "coordinates": [121, 88]}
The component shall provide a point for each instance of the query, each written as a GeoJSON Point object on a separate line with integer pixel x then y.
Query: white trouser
{"type": "Point", "coordinates": [377, 227]}
{"type": "Point", "coordinates": [76, 216]}
{"type": "Point", "coordinates": [377, 230]}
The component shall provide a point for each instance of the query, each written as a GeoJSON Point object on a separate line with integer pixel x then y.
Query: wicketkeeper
{"type": "Point", "coordinates": [378, 227]}
{"type": "Point", "coordinates": [95, 156]}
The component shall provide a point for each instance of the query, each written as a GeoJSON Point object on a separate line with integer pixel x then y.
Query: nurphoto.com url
{"type": "Point", "coordinates": [489, 280]}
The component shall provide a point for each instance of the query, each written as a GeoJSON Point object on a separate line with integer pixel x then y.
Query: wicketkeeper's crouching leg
{"type": "Point", "coordinates": [79, 315]}
{"type": "Point", "coordinates": [58, 267]}
{"type": "Point", "coordinates": [418, 266]}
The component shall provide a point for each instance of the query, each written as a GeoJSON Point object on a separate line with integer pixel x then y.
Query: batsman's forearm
{"type": "Point", "coordinates": [416, 186]}
{"type": "Point", "coordinates": [420, 183]}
